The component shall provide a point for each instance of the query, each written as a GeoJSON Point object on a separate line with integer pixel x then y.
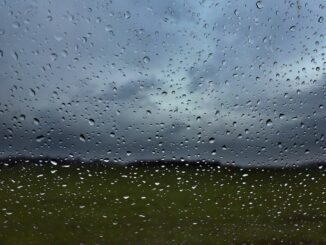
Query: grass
{"type": "Point", "coordinates": [155, 205]}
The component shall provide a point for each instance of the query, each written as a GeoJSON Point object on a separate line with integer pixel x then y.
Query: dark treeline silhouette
{"type": "Point", "coordinates": [25, 160]}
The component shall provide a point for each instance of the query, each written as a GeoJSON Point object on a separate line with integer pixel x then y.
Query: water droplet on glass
{"type": "Point", "coordinates": [49, 18]}
{"type": "Point", "coordinates": [321, 19]}
{"type": "Point", "coordinates": [22, 117]}
{"type": "Point", "coordinates": [259, 4]}
{"type": "Point", "coordinates": [40, 138]}
{"type": "Point", "coordinates": [32, 92]}
{"type": "Point", "coordinates": [54, 56]}
{"type": "Point", "coordinates": [82, 137]}
{"type": "Point", "coordinates": [14, 54]}
{"type": "Point", "coordinates": [269, 122]}
{"type": "Point", "coordinates": [211, 140]}
{"type": "Point", "coordinates": [58, 38]}
{"type": "Point", "coordinates": [15, 25]}
{"type": "Point", "coordinates": [36, 121]}
{"type": "Point", "coordinates": [127, 15]}
{"type": "Point", "coordinates": [91, 122]}
{"type": "Point", "coordinates": [108, 28]}
{"type": "Point", "coordinates": [54, 163]}
{"type": "Point", "coordinates": [146, 59]}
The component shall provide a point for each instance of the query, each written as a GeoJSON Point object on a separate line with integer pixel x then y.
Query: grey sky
{"type": "Point", "coordinates": [235, 81]}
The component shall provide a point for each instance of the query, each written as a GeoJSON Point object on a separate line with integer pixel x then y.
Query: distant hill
{"type": "Point", "coordinates": [175, 163]}
{"type": "Point", "coordinates": [13, 161]}
{"type": "Point", "coordinates": [319, 165]}
{"type": "Point", "coordinates": [24, 160]}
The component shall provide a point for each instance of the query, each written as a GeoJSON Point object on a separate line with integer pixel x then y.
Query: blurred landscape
{"type": "Point", "coordinates": [57, 201]}
{"type": "Point", "coordinates": [23, 160]}
{"type": "Point", "coordinates": [229, 97]}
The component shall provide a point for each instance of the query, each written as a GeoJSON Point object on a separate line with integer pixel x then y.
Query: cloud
{"type": "Point", "coordinates": [160, 79]}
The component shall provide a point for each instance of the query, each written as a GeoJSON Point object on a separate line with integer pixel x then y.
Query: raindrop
{"type": "Point", "coordinates": [211, 140]}
{"type": "Point", "coordinates": [54, 163]}
{"type": "Point", "coordinates": [32, 92]}
{"type": "Point", "coordinates": [49, 18]}
{"type": "Point", "coordinates": [259, 4]}
{"type": "Point", "coordinates": [36, 121]}
{"type": "Point", "coordinates": [22, 117]}
{"type": "Point", "coordinates": [127, 15]}
{"type": "Point", "coordinates": [15, 25]}
{"type": "Point", "coordinates": [15, 55]}
{"type": "Point", "coordinates": [82, 138]}
{"type": "Point", "coordinates": [54, 56]}
{"type": "Point", "coordinates": [58, 38]}
{"type": "Point", "coordinates": [292, 28]}
{"type": "Point", "coordinates": [146, 59]}
{"type": "Point", "coordinates": [108, 28]}
{"type": "Point", "coordinates": [40, 138]}
{"type": "Point", "coordinates": [321, 19]}
{"type": "Point", "coordinates": [91, 122]}
{"type": "Point", "coordinates": [269, 122]}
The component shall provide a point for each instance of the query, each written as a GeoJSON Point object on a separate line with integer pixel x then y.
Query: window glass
{"type": "Point", "coordinates": [162, 122]}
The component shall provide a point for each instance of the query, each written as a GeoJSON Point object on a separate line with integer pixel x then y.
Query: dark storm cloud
{"type": "Point", "coordinates": [130, 80]}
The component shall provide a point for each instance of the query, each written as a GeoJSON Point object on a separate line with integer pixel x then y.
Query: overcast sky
{"type": "Point", "coordinates": [236, 81]}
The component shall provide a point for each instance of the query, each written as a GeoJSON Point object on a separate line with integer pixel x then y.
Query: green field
{"type": "Point", "coordinates": [156, 205]}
